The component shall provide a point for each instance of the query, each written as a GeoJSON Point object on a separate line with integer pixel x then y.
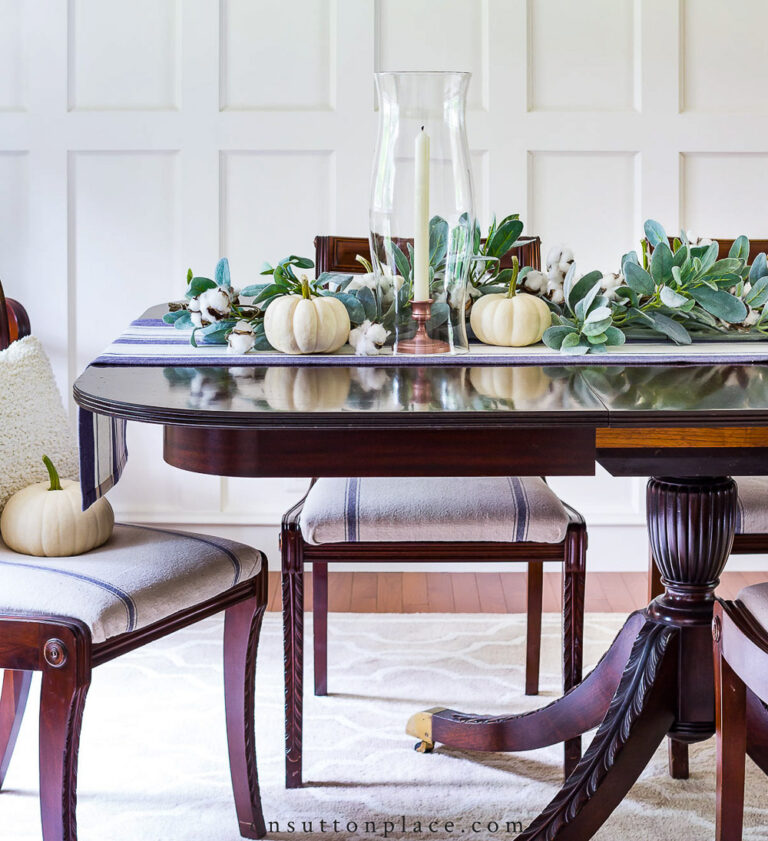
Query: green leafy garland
{"type": "Point", "coordinates": [678, 293]}
{"type": "Point", "coordinates": [212, 308]}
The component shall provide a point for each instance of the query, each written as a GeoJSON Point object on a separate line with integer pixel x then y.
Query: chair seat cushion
{"type": "Point", "coordinates": [498, 509]}
{"type": "Point", "coordinates": [752, 511]}
{"type": "Point", "coordinates": [139, 576]}
{"type": "Point", "coordinates": [755, 598]}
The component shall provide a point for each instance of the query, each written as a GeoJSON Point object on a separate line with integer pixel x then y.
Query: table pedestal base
{"type": "Point", "coordinates": [657, 678]}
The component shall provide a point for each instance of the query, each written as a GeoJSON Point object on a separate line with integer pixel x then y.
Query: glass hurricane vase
{"type": "Point", "coordinates": [422, 217]}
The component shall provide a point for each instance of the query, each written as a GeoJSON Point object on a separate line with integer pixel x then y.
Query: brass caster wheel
{"type": "Point", "coordinates": [424, 747]}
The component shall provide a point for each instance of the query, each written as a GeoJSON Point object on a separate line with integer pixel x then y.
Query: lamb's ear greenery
{"type": "Point", "coordinates": [677, 292]}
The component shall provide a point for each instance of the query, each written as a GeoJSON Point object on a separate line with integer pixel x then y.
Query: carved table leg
{"type": "Point", "coordinates": [667, 685]}
{"type": "Point", "coordinates": [576, 712]}
{"type": "Point", "coordinates": [293, 639]}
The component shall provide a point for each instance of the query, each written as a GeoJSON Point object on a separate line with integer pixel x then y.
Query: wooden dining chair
{"type": "Point", "coordinates": [469, 520]}
{"type": "Point", "coordinates": [751, 528]}
{"type": "Point", "coordinates": [740, 633]}
{"type": "Point", "coordinates": [63, 616]}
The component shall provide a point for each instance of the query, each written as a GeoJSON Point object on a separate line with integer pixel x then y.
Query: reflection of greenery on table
{"type": "Point", "coordinates": [678, 387]}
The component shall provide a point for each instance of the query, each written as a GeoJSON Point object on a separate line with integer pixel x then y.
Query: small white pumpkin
{"type": "Point", "coordinates": [46, 520]}
{"type": "Point", "coordinates": [510, 319]}
{"type": "Point", "coordinates": [303, 324]}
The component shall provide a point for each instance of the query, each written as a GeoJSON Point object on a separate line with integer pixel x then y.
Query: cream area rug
{"type": "Point", "coordinates": [153, 761]}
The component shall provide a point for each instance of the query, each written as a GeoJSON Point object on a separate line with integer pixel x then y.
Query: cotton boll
{"type": "Point", "coordinates": [241, 339]}
{"type": "Point", "coordinates": [555, 290]}
{"type": "Point", "coordinates": [368, 338]}
{"type": "Point", "coordinates": [559, 259]}
{"type": "Point", "coordinates": [212, 305]}
{"type": "Point", "coordinates": [609, 283]}
{"type": "Point", "coordinates": [694, 240]}
{"type": "Point", "coordinates": [535, 282]}
{"type": "Point", "coordinates": [753, 316]}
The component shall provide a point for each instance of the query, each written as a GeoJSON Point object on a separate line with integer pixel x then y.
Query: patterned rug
{"type": "Point", "coordinates": [153, 764]}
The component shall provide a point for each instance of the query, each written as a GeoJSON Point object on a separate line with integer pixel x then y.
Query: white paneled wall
{"type": "Point", "coordinates": [139, 138]}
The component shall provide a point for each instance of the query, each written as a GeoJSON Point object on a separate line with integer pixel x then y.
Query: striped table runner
{"type": "Point", "coordinates": [149, 341]}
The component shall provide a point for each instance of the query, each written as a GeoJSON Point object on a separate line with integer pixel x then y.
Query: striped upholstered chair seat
{"type": "Point", "coordinates": [138, 577]}
{"type": "Point", "coordinates": [752, 512]}
{"type": "Point", "coordinates": [497, 509]}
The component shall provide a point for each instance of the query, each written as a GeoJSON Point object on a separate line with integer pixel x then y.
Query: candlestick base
{"type": "Point", "coordinates": [422, 342]}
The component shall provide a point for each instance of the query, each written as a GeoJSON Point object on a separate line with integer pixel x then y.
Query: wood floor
{"type": "Point", "coordinates": [482, 592]}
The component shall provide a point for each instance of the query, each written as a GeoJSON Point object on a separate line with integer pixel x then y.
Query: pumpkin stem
{"type": "Point", "coordinates": [305, 287]}
{"type": "Point", "coordinates": [364, 263]}
{"type": "Point", "coordinates": [512, 291]}
{"type": "Point", "coordinates": [54, 475]}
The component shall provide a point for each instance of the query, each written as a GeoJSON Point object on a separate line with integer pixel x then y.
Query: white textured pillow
{"type": "Point", "coordinates": [33, 422]}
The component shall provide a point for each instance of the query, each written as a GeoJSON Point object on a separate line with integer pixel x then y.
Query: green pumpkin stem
{"type": "Point", "coordinates": [512, 291]}
{"type": "Point", "coordinates": [54, 474]}
{"type": "Point", "coordinates": [364, 263]}
{"type": "Point", "coordinates": [305, 293]}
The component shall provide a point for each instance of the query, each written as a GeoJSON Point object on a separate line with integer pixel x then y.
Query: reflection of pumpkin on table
{"type": "Point", "coordinates": [306, 389]}
{"type": "Point", "coordinates": [523, 385]}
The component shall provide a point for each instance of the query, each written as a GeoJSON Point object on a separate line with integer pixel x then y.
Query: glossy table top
{"type": "Point", "coordinates": [435, 396]}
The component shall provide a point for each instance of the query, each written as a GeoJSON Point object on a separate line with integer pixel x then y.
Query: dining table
{"type": "Point", "coordinates": [690, 423]}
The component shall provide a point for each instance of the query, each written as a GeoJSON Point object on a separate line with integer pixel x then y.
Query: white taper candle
{"type": "Point", "coordinates": [421, 219]}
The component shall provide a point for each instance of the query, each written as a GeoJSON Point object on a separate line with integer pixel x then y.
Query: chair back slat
{"type": "Point", "coordinates": [14, 321]}
{"type": "Point", "coordinates": [337, 254]}
{"type": "Point", "coordinates": [5, 327]}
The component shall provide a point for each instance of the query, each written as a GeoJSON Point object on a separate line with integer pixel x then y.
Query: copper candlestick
{"type": "Point", "coordinates": [422, 342]}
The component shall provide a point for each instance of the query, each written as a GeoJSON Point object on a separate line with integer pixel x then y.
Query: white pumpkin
{"type": "Point", "coordinates": [306, 389]}
{"type": "Point", "coordinates": [508, 320]}
{"type": "Point", "coordinates": [46, 519]}
{"type": "Point", "coordinates": [303, 324]}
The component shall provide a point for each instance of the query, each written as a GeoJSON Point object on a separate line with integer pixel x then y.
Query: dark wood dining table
{"type": "Point", "coordinates": [690, 427]}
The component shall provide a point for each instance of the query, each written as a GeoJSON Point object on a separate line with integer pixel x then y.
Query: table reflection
{"type": "Point", "coordinates": [386, 389]}
{"type": "Point", "coordinates": [679, 388]}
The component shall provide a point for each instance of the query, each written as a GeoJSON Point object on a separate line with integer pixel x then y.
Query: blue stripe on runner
{"type": "Point", "coordinates": [521, 507]}
{"type": "Point", "coordinates": [86, 421]}
{"type": "Point", "coordinates": [200, 539]}
{"type": "Point", "coordinates": [150, 322]}
{"type": "Point", "coordinates": [148, 340]}
{"type": "Point", "coordinates": [127, 601]}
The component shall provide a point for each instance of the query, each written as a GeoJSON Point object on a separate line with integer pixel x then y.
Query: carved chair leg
{"type": "Point", "coordinates": [13, 701]}
{"type": "Point", "coordinates": [533, 631]}
{"type": "Point", "coordinates": [320, 626]}
{"type": "Point", "coordinates": [574, 581]}
{"type": "Point", "coordinates": [293, 652]}
{"type": "Point", "coordinates": [62, 700]}
{"type": "Point", "coordinates": [731, 724]}
{"type": "Point", "coordinates": [242, 625]}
